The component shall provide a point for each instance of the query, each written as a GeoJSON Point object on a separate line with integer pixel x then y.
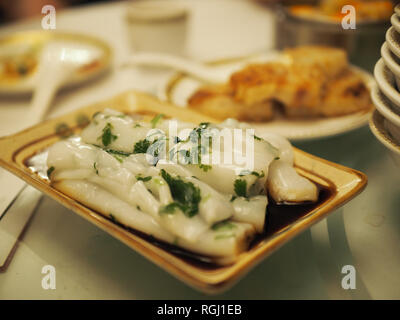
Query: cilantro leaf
{"type": "Point", "coordinates": [95, 168]}
{"type": "Point", "coordinates": [117, 152]}
{"type": "Point", "coordinates": [118, 155]}
{"type": "Point", "coordinates": [108, 137]}
{"type": "Point", "coordinates": [144, 179]}
{"type": "Point", "coordinates": [204, 125]}
{"type": "Point", "coordinates": [141, 146]}
{"type": "Point", "coordinates": [205, 167]}
{"type": "Point", "coordinates": [170, 208]}
{"type": "Point", "coordinates": [156, 119]}
{"type": "Point", "coordinates": [186, 194]}
{"type": "Point", "coordinates": [50, 171]}
{"type": "Point", "coordinates": [254, 173]}
{"type": "Point", "coordinates": [223, 226]}
{"type": "Point", "coordinates": [240, 187]}
{"type": "Point", "coordinates": [224, 229]}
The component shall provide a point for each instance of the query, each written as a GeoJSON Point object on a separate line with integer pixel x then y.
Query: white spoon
{"type": "Point", "coordinates": [210, 74]}
{"type": "Point", "coordinates": [58, 62]}
{"type": "Point", "coordinates": [195, 69]}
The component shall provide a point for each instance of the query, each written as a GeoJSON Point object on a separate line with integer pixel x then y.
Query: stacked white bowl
{"type": "Point", "coordinates": [385, 122]}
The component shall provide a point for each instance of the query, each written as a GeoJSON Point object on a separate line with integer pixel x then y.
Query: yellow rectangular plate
{"type": "Point", "coordinates": [15, 150]}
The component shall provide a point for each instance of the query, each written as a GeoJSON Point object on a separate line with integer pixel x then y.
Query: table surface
{"type": "Point", "coordinates": [90, 264]}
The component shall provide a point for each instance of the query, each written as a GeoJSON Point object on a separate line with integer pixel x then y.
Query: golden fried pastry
{"type": "Point", "coordinates": [311, 81]}
{"type": "Point", "coordinates": [330, 61]}
{"type": "Point", "coordinates": [347, 94]}
{"type": "Point", "coordinates": [219, 102]}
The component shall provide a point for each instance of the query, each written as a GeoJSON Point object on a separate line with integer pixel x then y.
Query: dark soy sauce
{"type": "Point", "coordinates": [279, 217]}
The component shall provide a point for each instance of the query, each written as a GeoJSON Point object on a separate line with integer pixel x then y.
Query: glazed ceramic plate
{"type": "Point", "coordinates": [387, 83]}
{"type": "Point", "coordinates": [340, 184]}
{"type": "Point", "coordinates": [395, 21]}
{"type": "Point", "coordinates": [380, 127]}
{"type": "Point", "coordinates": [29, 44]}
{"type": "Point", "coordinates": [393, 40]}
{"type": "Point", "coordinates": [385, 106]}
{"type": "Point", "coordinates": [391, 61]}
{"type": "Point", "coordinates": [180, 87]}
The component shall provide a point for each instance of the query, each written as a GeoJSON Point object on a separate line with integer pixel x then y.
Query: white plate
{"type": "Point", "coordinates": [378, 125]}
{"type": "Point", "coordinates": [20, 42]}
{"type": "Point", "coordinates": [180, 87]}
{"type": "Point", "coordinates": [395, 21]}
{"type": "Point", "coordinates": [384, 106]}
{"type": "Point", "coordinates": [387, 83]}
{"type": "Point", "coordinates": [391, 61]}
{"type": "Point", "coordinates": [393, 40]}
{"type": "Point", "coordinates": [397, 9]}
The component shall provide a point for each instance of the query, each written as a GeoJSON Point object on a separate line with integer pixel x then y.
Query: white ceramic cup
{"type": "Point", "coordinates": [157, 26]}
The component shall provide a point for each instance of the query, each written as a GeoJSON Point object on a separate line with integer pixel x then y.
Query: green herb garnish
{"type": "Point", "coordinates": [156, 119]}
{"type": "Point", "coordinates": [50, 171]}
{"type": "Point", "coordinates": [118, 155]}
{"type": "Point", "coordinates": [170, 208]}
{"type": "Point", "coordinates": [204, 125]}
{"type": "Point", "coordinates": [205, 167]}
{"type": "Point", "coordinates": [254, 173]}
{"type": "Point", "coordinates": [157, 147]}
{"type": "Point", "coordinates": [186, 194]}
{"type": "Point", "coordinates": [270, 146]}
{"type": "Point", "coordinates": [95, 167]}
{"type": "Point", "coordinates": [108, 137]}
{"type": "Point", "coordinates": [159, 182]}
{"type": "Point", "coordinates": [118, 158]}
{"type": "Point", "coordinates": [144, 179]}
{"type": "Point", "coordinates": [112, 218]}
{"type": "Point", "coordinates": [117, 152]}
{"type": "Point", "coordinates": [224, 230]}
{"type": "Point", "coordinates": [141, 146]}
{"type": "Point", "coordinates": [240, 187]}
{"type": "Point", "coordinates": [63, 130]}
{"type": "Point", "coordinates": [223, 226]}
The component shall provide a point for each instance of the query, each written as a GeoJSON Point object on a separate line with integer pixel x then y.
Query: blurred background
{"type": "Point", "coordinates": [11, 10]}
